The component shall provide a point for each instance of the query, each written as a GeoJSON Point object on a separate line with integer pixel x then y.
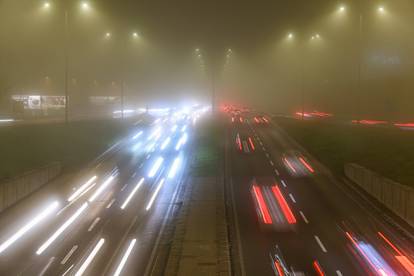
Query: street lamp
{"type": "Point", "coordinates": [341, 9]}
{"type": "Point", "coordinates": [46, 5]}
{"type": "Point", "coordinates": [107, 35]}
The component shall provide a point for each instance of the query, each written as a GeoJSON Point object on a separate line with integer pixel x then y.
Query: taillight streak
{"type": "Point", "coordinates": [290, 165]}
{"type": "Point", "coordinates": [306, 165]}
{"type": "Point", "coordinates": [318, 268]}
{"type": "Point", "coordinates": [283, 204]}
{"type": "Point", "coordinates": [404, 261]}
{"type": "Point", "coordinates": [267, 219]}
{"type": "Point", "coordinates": [251, 143]}
{"type": "Point", "coordinates": [279, 269]}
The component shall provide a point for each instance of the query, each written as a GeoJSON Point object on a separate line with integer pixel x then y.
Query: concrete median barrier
{"type": "Point", "coordinates": [14, 189]}
{"type": "Point", "coordinates": [395, 196]}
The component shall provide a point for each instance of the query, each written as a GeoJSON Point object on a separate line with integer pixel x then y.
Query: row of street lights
{"type": "Point", "coordinates": [342, 9]}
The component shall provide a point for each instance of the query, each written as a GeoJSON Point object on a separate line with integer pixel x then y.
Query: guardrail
{"type": "Point", "coordinates": [14, 189]}
{"type": "Point", "coordinates": [395, 196]}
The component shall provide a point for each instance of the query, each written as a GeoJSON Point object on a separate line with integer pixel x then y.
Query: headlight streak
{"type": "Point", "coordinates": [174, 128]}
{"type": "Point", "coordinates": [155, 167]}
{"type": "Point", "coordinates": [154, 195]}
{"type": "Point", "coordinates": [132, 193]}
{"type": "Point", "coordinates": [165, 143]}
{"type": "Point", "coordinates": [174, 167]}
{"type": "Point", "coordinates": [82, 188]}
{"type": "Point", "coordinates": [90, 258]}
{"type": "Point", "coordinates": [183, 128]}
{"type": "Point", "coordinates": [61, 229]}
{"type": "Point", "coordinates": [28, 226]}
{"type": "Point", "coordinates": [125, 258]}
{"type": "Point", "coordinates": [101, 188]}
{"type": "Point", "coordinates": [181, 142]}
{"type": "Point", "coordinates": [137, 135]}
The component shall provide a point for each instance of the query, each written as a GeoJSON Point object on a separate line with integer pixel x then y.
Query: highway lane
{"type": "Point", "coordinates": [319, 206]}
{"type": "Point", "coordinates": [104, 227]}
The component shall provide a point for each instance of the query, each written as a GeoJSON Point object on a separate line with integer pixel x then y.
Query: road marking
{"type": "Point", "coordinates": [93, 224]}
{"type": "Point", "coordinates": [140, 165]}
{"type": "Point", "coordinates": [110, 203]}
{"type": "Point", "coordinates": [267, 155]}
{"type": "Point", "coordinates": [148, 156]}
{"type": "Point", "coordinates": [271, 163]}
{"type": "Point", "coordinates": [283, 183]}
{"type": "Point", "coordinates": [263, 148]}
{"type": "Point", "coordinates": [320, 244]}
{"type": "Point", "coordinates": [292, 198]}
{"type": "Point", "coordinates": [66, 258]}
{"type": "Point", "coordinates": [260, 142]}
{"type": "Point", "coordinates": [339, 273]}
{"type": "Point", "coordinates": [49, 263]}
{"type": "Point", "coordinates": [123, 188]}
{"type": "Point", "coordinates": [304, 218]}
{"type": "Point", "coordinates": [134, 174]}
{"type": "Point", "coordinates": [66, 272]}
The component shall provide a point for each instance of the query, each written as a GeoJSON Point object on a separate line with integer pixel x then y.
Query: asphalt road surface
{"type": "Point", "coordinates": [109, 219]}
{"type": "Point", "coordinates": [334, 231]}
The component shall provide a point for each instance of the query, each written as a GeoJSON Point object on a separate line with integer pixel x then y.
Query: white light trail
{"type": "Point", "coordinates": [174, 128]}
{"type": "Point", "coordinates": [181, 142]}
{"type": "Point", "coordinates": [165, 143]}
{"type": "Point", "coordinates": [28, 226]}
{"type": "Point", "coordinates": [183, 128]}
{"type": "Point", "coordinates": [61, 229]}
{"type": "Point", "coordinates": [90, 258]}
{"type": "Point", "coordinates": [137, 135]}
{"type": "Point", "coordinates": [101, 188]}
{"type": "Point", "coordinates": [82, 188]}
{"type": "Point", "coordinates": [154, 195]}
{"type": "Point", "coordinates": [174, 167]}
{"type": "Point", "coordinates": [6, 120]}
{"type": "Point", "coordinates": [156, 167]}
{"type": "Point", "coordinates": [132, 193]}
{"type": "Point", "coordinates": [125, 258]}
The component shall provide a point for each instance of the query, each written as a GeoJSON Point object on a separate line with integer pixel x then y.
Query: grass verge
{"type": "Point", "coordinates": [30, 146]}
{"type": "Point", "coordinates": [386, 151]}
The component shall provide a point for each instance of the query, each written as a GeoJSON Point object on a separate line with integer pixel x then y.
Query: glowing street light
{"type": "Point", "coordinates": [108, 35]}
{"type": "Point", "coordinates": [290, 35]}
{"type": "Point", "coordinates": [341, 9]}
{"type": "Point", "coordinates": [135, 35]}
{"type": "Point", "coordinates": [197, 50]}
{"type": "Point", "coordinates": [46, 5]}
{"type": "Point", "coordinates": [85, 6]}
{"type": "Point", "coordinates": [381, 9]}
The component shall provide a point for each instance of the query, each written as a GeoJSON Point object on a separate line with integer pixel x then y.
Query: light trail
{"type": "Point", "coordinates": [267, 219]}
{"type": "Point", "coordinates": [101, 188]}
{"type": "Point", "coordinates": [132, 193]}
{"type": "Point", "coordinates": [20, 233]}
{"type": "Point", "coordinates": [284, 205]}
{"type": "Point", "coordinates": [125, 258]}
{"type": "Point", "coordinates": [82, 188]}
{"type": "Point", "coordinates": [61, 229]}
{"type": "Point", "coordinates": [90, 258]}
{"type": "Point", "coordinates": [137, 135]}
{"type": "Point", "coordinates": [156, 167]}
{"type": "Point", "coordinates": [174, 167]}
{"type": "Point", "coordinates": [306, 164]}
{"type": "Point", "coordinates": [154, 195]}
{"type": "Point", "coordinates": [165, 143]}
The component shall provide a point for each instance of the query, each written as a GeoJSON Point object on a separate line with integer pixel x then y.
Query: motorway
{"type": "Point", "coordinates": [108, 220]}
{"type": "Point", "coordinates": [329, 230]}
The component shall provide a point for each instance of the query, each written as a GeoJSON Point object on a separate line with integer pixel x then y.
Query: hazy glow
{"type": "Point", "coordinates": [137, 135]}
{"type": "Point", "coordinates": [132, 193]}
{"type": "Point", "coordinates": [341, 8]}
{"type": "Point", "coordinates": [28, 226]}
{"type": "Point", "coordinates": [61, 229]}
{"type": "Point", "coordinates": [154, 195]}
{"type": "Point", "coordinates": [85, 6]}
{"type": "Point", "coordinates": [125, 258]}
{"type": "Point", "coordinates": [381, 9]}
{"type": "Point", "coordinates": [90, 258]}
{"type": "Point", "coordinates": [165, 143]}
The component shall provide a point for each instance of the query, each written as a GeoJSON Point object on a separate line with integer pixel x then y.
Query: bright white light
{"type": "Point", "coordinates": [156, 167]}
{"type": "Point", "coordinates": [85, 6]}
{"type": "Point", "coordinates": [174, 128]}
{"type": "Point", "coordinates": [132, 193]}
{"type": "Point", "coordinates": [46, 5]}
{"type": "Point", "coordinates": [135, 35]}
{"type": "Point", "coordinates": [182, 141]}
{"type": "Point", "coordinates": [381, 9]}
{"type": "Point", "coordinates": [101, 188]}
{"type": "Point", "coordinates": [61, 229]}
{"type": "Point", "coordinates": [90, 258]}
{"type": "Point", "coordinates": [107, 35]}
{"type": "Point", "coordinates": [28, 226]}
{"type": "Point", "coordinates": [165, 143]}
{"type": "Point", "coordinates": [341, 8]}
{"type": "Point", "coordinates": [6, 120]}
{"type": "Point", "coordinates": [155, 134]}
{"type": "Point", "coordinates": [137, 135]}
{"type": "Point", "coordinates": [154, 195]}
{"type": "Point", "coordinates": [290, 35]}
{"type": "Point", "coordinates": [125, 258]}
{"type": "Point", "coordinates": [174, 167]}
{"type": "Point", "coordinates": [183, 128]}
{"type": "Point", "coordinates": [82, 188]}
